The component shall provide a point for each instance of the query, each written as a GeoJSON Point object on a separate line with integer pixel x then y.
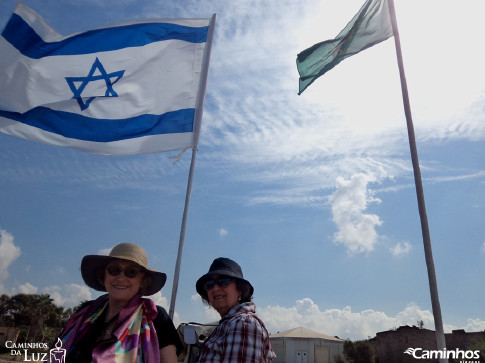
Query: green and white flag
{"type": "Point", "coordinates": [371, 25]}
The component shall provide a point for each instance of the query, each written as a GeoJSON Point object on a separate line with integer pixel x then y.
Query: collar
{"type": "Point", "coordinates": [244, 308]}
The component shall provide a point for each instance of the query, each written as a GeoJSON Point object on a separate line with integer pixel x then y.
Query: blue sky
{"type": "Point", "coordinates": [282, 182]}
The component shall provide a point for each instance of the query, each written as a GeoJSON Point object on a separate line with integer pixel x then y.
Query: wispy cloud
{"type": "Point", "coordinates": [401, 249]}
{"type": "Point", "coordinates": [451, 178]}
{"type": "Point", "coordinates": [294, 147]}
{"type": "Point", "coordinates": [349, 122]}
{"type": "Point", "coordinates": [223, 232]}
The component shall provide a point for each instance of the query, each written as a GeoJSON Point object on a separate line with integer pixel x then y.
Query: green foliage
{"type": "Point", "coordinates": [479, 346]}
{"type": "Point", "coordinates": [38, 318]}
{"type": "Point", "coordinates": [359, 351]}
{"type": "Point", "coordinates": [6, 307]}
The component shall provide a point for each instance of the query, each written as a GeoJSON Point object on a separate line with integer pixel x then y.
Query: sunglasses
{"type": "Point", "coordinates": [221, 282]}
{"type": "Point", "coordinates": [130, 271]}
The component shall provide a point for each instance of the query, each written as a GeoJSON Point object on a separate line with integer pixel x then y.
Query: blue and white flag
{"type": "Point", "coordinates": [130, 88]}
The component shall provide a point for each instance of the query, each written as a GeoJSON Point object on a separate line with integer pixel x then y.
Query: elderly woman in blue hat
{"type": "Point", "coordinates": [121, 326]}
{"type": "Point", "coordinates": [241, 335]}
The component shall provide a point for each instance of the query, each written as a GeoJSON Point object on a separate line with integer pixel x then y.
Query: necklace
{"type": "Point", "coordinates": [108, 327]}
{"type": "Point", "coordinates": [108, 324]}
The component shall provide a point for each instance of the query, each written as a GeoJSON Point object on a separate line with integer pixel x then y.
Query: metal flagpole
{"type": "Point", "coordinates": [197, 124]}
{"type": "Point", "coordinates": [433, 286]}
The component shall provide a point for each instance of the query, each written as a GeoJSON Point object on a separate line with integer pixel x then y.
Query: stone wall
{"type": "Point", "coordinates": [389, 346]}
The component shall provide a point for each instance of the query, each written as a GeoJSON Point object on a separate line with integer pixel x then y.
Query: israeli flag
{"type": "Point", "coordinates": [131, 88]}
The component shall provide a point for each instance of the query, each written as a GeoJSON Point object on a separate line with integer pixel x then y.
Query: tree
{"type": "Point", "coordinates": [479, 345]}
{"type": "Point", "coordinates": [6, 308]}
{"type": "Point", "coordinates": [359, 351]}
{"type": "Point", "coordinates": [37, 315]}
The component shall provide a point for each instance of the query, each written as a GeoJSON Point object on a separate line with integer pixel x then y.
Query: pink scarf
{"type": "Point", "coordinates": [136, 338]}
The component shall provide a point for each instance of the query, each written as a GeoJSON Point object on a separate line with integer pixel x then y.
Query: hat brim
{"type": "Point", "coordinates": [93, 265]}
{"type": "Point", "coordinates": [199, 285]}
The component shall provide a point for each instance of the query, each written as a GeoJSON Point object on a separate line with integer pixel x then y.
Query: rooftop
{"type": "Point", "coordinates": [302, 332]}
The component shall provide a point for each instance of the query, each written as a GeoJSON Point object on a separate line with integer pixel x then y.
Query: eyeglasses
{"type": "Point", "coordinates": [130, 271]}
{"type": "Point", "coordinates": [221, 282]}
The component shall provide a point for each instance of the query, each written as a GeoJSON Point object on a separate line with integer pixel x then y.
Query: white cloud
{"type": "Point", "coordinates": [105, 251]}
{"type": "Point", "coordinates": [349, 121]}
{"type": "Point", "coordinates": [162, 301]}
{"type": "Point", "coordinates": [483, 247]}
{"type": "Point", "coordinates": [211, 314]}
{"type": "Point", "coordinates": [27, 288]}
{"type": "Point", "coordinates": [222, 232]}
{"type": "Point", "coordinates": [356, 230]}
{"type": "Point", "coordinates": [9, 253]}
{"type": "Point", "coordinates": [69, 295]}
{"type": "Point", "coordinates": [346, 323]}
{"type": "Point", "coordinates": [413, 313]}
{"type": "Point", "coordinates": [475, 325]}
{"type": "Point", "coordinates": [401, 249]}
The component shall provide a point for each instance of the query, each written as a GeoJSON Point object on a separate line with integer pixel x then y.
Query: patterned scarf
{"type": "Point", "coordinates": [136, 338]}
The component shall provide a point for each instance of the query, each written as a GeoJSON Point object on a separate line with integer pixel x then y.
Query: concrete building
{"type": "Point", "coordinates": [301, 345]}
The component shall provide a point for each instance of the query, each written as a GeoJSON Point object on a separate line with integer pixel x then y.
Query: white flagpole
{"type": "Point", "coordinates": [433, 286]}
{"type": "Point", "coordinates": [197, 125]}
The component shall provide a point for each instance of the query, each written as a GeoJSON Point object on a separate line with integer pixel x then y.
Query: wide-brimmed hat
{"type": "Point", "coordinates": [222, 266]}
{"type": "Point", "coordinates": [92, 265]}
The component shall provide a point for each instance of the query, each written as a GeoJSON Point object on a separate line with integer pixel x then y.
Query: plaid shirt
{"type": "Point", "coordinates": [240, 337]}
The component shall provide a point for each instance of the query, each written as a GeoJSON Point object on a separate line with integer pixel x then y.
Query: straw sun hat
{"type": "Point", "coordinates": [93, 265]}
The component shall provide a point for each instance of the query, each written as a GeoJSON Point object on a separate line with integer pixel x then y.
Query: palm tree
{"type": "Point", "coordinates": [34, 311]}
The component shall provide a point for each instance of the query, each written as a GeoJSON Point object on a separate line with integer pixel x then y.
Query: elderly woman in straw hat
{"type": "Point", "coordinates": [241, 335]}
{"type": "Point", "coordinates": [121, 326]}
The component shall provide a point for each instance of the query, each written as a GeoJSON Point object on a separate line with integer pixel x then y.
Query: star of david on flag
{"type": "Point", "coordinates": [91, 77]}
{"type": "Point", "coordinates": [131, 88]}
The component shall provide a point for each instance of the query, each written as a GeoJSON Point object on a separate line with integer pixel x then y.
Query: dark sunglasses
{"type": "Point", "coordinates": [130, 271]}
{"type": "Point", "coordinates": [221, 282]}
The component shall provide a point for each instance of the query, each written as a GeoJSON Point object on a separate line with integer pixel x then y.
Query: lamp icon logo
{"type": "Point", "coordinates": [57, 354]}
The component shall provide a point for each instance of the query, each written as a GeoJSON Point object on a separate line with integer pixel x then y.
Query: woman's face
{"type": "Point", "coordinates": [122, 288]}
{"type": "Point", "coordinates": [223, 298]}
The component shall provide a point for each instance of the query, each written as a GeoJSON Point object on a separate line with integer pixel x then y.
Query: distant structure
{"type": "Point", "coordinates": [8, 334]}
{"type": "Point", "coordinates": [389, 346]}
{"type": "Point", "coordinates": [302, 345]}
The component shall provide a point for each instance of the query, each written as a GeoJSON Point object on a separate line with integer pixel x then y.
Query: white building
{"type": "Point", "coordinates": [301, 345]}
